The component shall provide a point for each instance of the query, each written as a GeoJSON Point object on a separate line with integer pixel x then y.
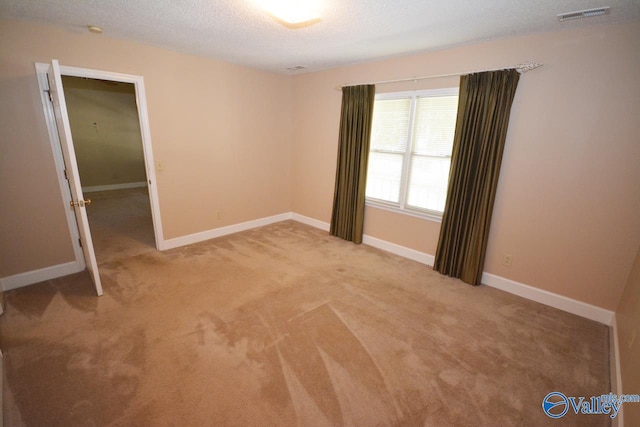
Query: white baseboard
{"type": "Point", "coordinates": [114, 187]}
{"type": "Point", "coordinates": [222, 231]}
{"type": "Point", "coordinates": [372, 241]}
{"type": "Point", "coordinates": [616, 374]}
{"type": "Point", "coordinates": [551, 299]}
{"type": "Point", "coordinates": [403, 251]}
{"type": "Point", "coordinates": [560, 302]}
{"type": "Point", "coordinates": [529, 292]}
{"type": "Point", "coordinates": [310, 221]}
{"type": "Point", "coordinates": [35, 276]}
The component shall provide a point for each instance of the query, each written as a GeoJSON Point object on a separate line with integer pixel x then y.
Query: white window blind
{"type": "Point", "coordinates": [389, 139]}
{"type": "Point", "coordinates": [410, 154]}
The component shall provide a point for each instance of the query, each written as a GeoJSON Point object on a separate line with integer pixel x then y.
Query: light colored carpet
{"type": "Point", "coordinates": [283, 326]}
{"type": "Point", "coordinates": [120, 223]}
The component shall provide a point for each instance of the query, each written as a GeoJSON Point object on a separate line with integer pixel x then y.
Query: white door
{"type": "Point", "coordinates": [68, 152]}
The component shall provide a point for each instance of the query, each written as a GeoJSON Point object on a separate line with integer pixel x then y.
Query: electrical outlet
{"type": "Point", "coordinates": [632, 338]}
{"type": "Point", "coordinates": [218, 214]}
{"type": "Point", "coordinates": [507, 260]}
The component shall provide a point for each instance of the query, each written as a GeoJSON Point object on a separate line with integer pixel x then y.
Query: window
{"type": "Point", "coordinates": [410, 154]}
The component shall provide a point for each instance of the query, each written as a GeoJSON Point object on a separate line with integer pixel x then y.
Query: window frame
{"type": "Point", "coordinates": [401, 206]}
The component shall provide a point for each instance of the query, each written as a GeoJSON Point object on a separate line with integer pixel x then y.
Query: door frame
{"type": "Point", "coordinates": [145, 132]}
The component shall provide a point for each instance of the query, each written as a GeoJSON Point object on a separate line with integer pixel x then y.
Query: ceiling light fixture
{"type": "Point", "coordinates": [587, 13]}
{"type": "Point", "coordinates": [94, 29]}
{"type": "Point", "coordinates": [292, 13]}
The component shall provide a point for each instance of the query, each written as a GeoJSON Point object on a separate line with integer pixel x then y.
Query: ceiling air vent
{"type": "Point", "coordinates": [296, 68]}
{"type": "Point", "coordinates": [588, 13]}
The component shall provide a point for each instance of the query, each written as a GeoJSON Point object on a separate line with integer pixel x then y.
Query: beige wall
{"type": "Point", "coordinates": [628, 320]}
{"type": "Point", "coordinates": [568, 202]}
{"type": "Point", "coordinates": [106, 131]}
{"type": "Point", "coordinates": [223, 133]}
{"type": "Point", "coordinates": [33, 229]}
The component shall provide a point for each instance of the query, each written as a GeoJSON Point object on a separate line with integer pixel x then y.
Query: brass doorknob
{"type": "Point", "coordinates": [80, 203]}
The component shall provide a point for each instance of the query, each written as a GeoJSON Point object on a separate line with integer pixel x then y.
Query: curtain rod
{"type": "Point", "coordinates": [521, 68]}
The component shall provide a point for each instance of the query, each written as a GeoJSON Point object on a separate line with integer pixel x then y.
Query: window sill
{"type": "Point", "coordinates": [414, 213]}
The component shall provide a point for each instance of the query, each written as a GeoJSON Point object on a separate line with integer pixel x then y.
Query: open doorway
{"type": "Point", "coordinates": [64, 156]}
{"type": "Point", "coordinates": [105, 126]}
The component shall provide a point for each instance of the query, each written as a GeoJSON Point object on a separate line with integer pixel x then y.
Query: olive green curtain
{"type": "Point", "coordinates": [347, 218]}
{"type": "Point", "coordinates": [483, 117]}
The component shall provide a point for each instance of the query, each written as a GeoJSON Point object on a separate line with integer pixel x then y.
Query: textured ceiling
{"type": "Point", "coordinates": [350, 31]}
